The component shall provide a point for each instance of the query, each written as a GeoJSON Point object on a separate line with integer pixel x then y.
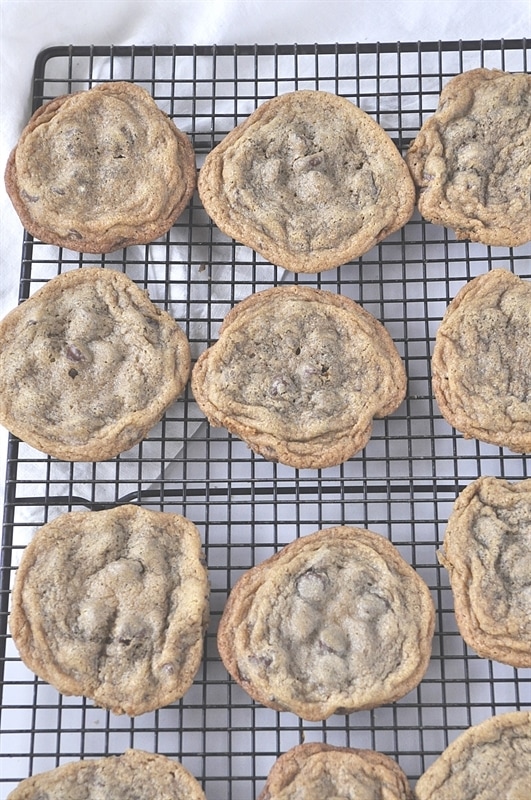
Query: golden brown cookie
{"type": "Point", "coordinates": [481, 358]}
{"type": "Point", "coordinates": [134, 775]}
{"type": "Point", "coordinates": [335, 622]}
{"type": "Point", "coordinates": [88, 365]}
{"type": "Point", "coordinates": [487, 552]}
{"type": "Point", "coordinates": [101, 169]}
{"type": "Point", "coordinates": [471, 161]}
{"type": "Point", "coordinates": [488, 761]}
{"type": "Point", "coordinates": [112, 605]}
{"type": "Point", "coordinates": [299, 374]}
{"type": "Point", "coordinates": [309, 181]}
{"type": "Point", "coordinates": [326, 772]}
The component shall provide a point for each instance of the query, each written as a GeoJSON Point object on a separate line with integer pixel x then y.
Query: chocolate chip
{"type": "Point", "coordinates": [73, 353]}
{"type": "Point", "coordinates": [261, 661]}
{"type": "Point", "coordinates": [312, 585]}
{"type": "Point", "coordinates": [308, 163]}
{"type": "Point", "coordinates": [73, 234]}
{"type": "Point", "coordinates": [30, 198]}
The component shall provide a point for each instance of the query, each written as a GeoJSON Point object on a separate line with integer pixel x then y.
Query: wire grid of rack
{"type": "Point", "coordinates": [402, 485]}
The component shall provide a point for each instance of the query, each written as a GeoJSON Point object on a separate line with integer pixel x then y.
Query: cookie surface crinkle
{"type": "Point", "coordinates": [88, 365]}
{"type": "Point", "coordinates": [299, 374]}
{"type": "Point", "coordinates": [480, 365]}
{"type": "Point", "coordinates": [335, 622]}
{"type": "Point", "coordinates": [112, 605]}
{"type": "Point", "coordinates": [471, 161]}
{"type": "Point", "coordinates": [487, 552]}
{"type": "Point", "coordinates": [309, 181]}
{"type": "Point", "coordinates": [326, 772]}
{"type": "Point", "coordinates": [101, 169]}
{"type": "Point", "coordinates": [134, 775]}
{"type": "Point", "coordinates": [490, 760]}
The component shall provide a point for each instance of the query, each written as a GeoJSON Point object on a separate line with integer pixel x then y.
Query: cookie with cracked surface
{"type": "Point", "coordinates": [471, 161]}
{"type": "Point", "coordinates": [480, 364]}
{"type": "Point", "coordinates": [309, 181]}
{"type": "Point", "coordinates": [337, 621]}
{"type": "Point", "coordinates": [134, 775]}
{"type": "Point", "coordinates": [101, 169]}
{"type": "Point", "coordinates": [112, 605]}
{"type": "Point", "coordinates": [327, 772]}
{"type": "Point", "coordinates": [88, 365]}
{"type": "Point", "coordinates": [489, 760]}
{"type": "Point", "coordinates": [486, 550]}
{"type": "Point", "coordinates": [299, 374]}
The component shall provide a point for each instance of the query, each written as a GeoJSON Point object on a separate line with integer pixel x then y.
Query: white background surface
{"type": "Point", "coordinates": [29, 26]}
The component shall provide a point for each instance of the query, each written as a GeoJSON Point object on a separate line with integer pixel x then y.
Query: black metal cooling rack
{"type": "Point", "coordinates": [402, 485]}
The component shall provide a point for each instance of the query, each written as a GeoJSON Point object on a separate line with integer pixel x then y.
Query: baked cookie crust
{"type": "Point", "coordinates": [309, 181]}
{"type": "Point", "coordinates": [471, 161]}
{"type": "Point", "coordinates": [327, 772]}
{"type": "Point", "coordinates": [486, 552]}
{"type": "Point", "coordinates": [480, 365]}
{"type": "Point", "coordinates": [88, 365]}
{"type": "Point", "coordinates": [102, 169]}
{"type": "Point", "coordinates": [335, 622]}
{"type": "Point", "coordinates": [489, 760]}
{"type": "Point", "coordinates": [113, 605]}
{"type": "Point", "coordinates": [136, 774]}
{"type": "Point", "coordinates": [299, 374]}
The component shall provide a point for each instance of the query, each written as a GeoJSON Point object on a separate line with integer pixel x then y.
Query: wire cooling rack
{"type": "Point", "coordinates": [402, 485]}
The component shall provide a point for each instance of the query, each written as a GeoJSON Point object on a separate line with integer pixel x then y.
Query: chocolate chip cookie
{"type": "Point", "coordinates": [134, 775]}
{"type": "Point", "coordinates": [309, 181]}
{"type": "Point", "coordinates": [481, 358]}
{"type": "Point", "coordinates": [88, 365]}
{"type": "Point", "coordinates": [112, 605]}
{"type": "Point", "coordinates": [101, 169]}
{"type": "Point", "coordinates": [488, 761]}
{"type": "Point", "coordinates": [299, 374]}
{"type": "Point", "coordinates": [487, 552]}
{"type": "Point", "coordinates": [328, 773]}
{"type": "Point", "coordinates": [471, 161]}
{"type": "Point", "coordinates": [334, 622]}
